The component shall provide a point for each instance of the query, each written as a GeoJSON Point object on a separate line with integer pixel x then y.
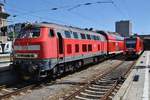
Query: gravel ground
{"type": "Point", "coordinates": [66, 84]}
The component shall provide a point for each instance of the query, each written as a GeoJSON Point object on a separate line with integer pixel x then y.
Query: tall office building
{"type": "Point", "coordinates": [124, 28]}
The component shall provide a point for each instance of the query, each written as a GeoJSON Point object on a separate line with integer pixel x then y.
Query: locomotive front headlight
{"type": "Point", "coordinates": [26, 55]}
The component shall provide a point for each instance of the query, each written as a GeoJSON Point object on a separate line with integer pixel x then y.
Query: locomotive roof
{"type": "Point", "coordinates": [109, 35]}
{"type": "Point", "coordinates": [62, 26]}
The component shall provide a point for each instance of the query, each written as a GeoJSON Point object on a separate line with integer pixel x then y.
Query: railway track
{"type": "Point", "coordinates": [6, 93]}
{"type": "Point", "coordinates": [97, 87]}
{"type": "Point", "coordinates": [103, 86]}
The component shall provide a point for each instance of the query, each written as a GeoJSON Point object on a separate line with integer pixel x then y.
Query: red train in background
{"type": "Point", "coordinates": [133, 45]}
{"type": "Point", "coordinates": [46, 49]}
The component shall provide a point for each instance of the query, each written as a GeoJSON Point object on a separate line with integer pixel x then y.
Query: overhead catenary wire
{"type": "Point", "coordinates": [89, 3]}
{"type": "Point", "coordinates": [23, 13]}
{"type": "Point", "coordinates": [118, 8]}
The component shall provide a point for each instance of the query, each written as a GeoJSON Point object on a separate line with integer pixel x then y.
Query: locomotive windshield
{"type": "Point", "coordinates": [131, 43]}
{"type": "Point", "coordinates": [29, 32]}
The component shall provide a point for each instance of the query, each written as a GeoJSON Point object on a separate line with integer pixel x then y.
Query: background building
{"type": "Point", "coordinates": [3, 22]}
{"type": "Point", "coordinates": [124, 28]}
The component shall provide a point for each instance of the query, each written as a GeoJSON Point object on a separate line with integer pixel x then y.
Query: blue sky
{"type": "Point", "coordinates": [99, 16]}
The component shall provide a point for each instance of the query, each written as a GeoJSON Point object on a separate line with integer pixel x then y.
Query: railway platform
{"type": "Point", "coordinates": [5, 61]}
{"type": "Point", "coordinates": [137, 84]}
{"type": "Point", "coordinates": [4, 66]}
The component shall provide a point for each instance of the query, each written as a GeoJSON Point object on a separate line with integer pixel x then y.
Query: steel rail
{"type": "Point", "coordinates": [7, 95]}
{"type": "Point", "coordinates": [116, 83]}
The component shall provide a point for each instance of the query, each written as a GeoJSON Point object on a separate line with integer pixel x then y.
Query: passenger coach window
{"type": "Point", "coordinates": [84, 47]}
{"type": "Point", "coordinates": [76, 48]}
{"type": "Point", "coordinates": [69, 49]}
{"type": "Point", "coordinates": [75, 35]}
{"type": "Point", "coordinates": [89, 47]}
{"type": "Point", "coordinates": [51, 33]}
{"type": "Point", "coordinates": [67, 34]}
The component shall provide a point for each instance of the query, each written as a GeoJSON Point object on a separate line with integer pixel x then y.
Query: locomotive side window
{"type": "Point", "coordinates": [88, 37]}
{"type": "Point", "coordinates": [94, 37]}
{"type": "Point", "coordinates": [76, 48]}
{"type": "Point", "coordinates": [51, 33]}
{"type": "Point", "coordinates": [67, 34]}
{"type": "Point", "coordinates": [69, 49]}
{"type": "Point", "coordinates": [99, 47]}
{"type": "Point", "coordinates": [84, 48]}
{"type": "Point", "coordinates": [83, 36]}
{"type": "Point", "coordinates": [97, 38]}
{"type": "Point", "coordinates": [89, 47]}
{"type": "Point", "coordinates": [75, 35]}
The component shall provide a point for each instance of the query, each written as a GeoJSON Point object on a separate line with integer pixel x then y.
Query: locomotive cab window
{"type": "Point", "coordinates": [75, 35]}
{"type": "Point", "coordinates": [131, 42]}
{"type": "Point", "coordinates": [51, 33]}
{"type": "Point", "coordinates": [67, 34]}
{"type": "Point", "coordinates": [29, 32]}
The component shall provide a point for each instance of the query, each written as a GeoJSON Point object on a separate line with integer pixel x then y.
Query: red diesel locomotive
{"type": "Point", "coordinates": [133, 45]}
{"type": "Point", "coordinates": [50, 49]}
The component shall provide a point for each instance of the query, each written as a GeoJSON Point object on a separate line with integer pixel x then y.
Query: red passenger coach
{"type": "Point", "coordinates": [115, 43]}
{"type": "Point", "coordinates": [133, 45]}
{"type": "Point", "coordinates": [50, 49]}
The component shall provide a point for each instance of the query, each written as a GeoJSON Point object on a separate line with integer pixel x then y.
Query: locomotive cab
{"type": "Point", "coordinates": [133, 46]}
{"type": "Point", "coordinates": [32, 57]}
{"type": "Point", "coordinates": [130, 45]}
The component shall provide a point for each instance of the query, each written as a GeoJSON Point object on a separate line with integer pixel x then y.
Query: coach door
{"type": "Point", "coordinates": [60, 44]}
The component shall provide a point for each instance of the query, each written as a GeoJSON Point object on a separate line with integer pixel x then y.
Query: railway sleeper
{"type": "Point", "coordinates": [103, 84]}
{"type": "Point", "coordinates": [6, 91]}
{"type": "Point", "coordinates": [102, 87]}
{"type": "Point", "coordinates": [82, 98]}
{"type": "Point", "coordinates": [110, 97]}
{"type": "Point", "coordinates": [113, 93]}
{"type": "Point", "coordinates": [1, 94]}
{"type": "Point", "coordinates": [89, 96]}
{"type": "Point", "coordinates": [94, 92]}
{"type": "Point", "coordinates": [97, 89]}
{"type": "Point", "coordinates": [115, 90]}
{"type": "Point", "coordinates": [107, 81]}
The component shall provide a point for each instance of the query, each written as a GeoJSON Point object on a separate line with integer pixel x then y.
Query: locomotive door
{"type": "Point", "coordinates": [60, 44]}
